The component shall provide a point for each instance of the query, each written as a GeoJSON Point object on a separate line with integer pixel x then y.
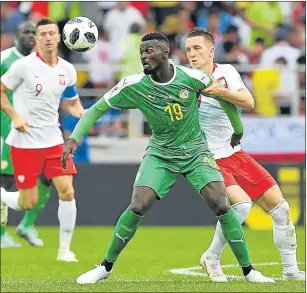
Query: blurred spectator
{"type": "Point", "coordinates": [162, 9]}
{"type": "Point", "coordinates": [288, 84]}
{"type": "Point", "coordinates": [178, 23]}
{"type": "Point", "coordinates": [282, 48]}
{"type": "Point", "coordinates": [214, 19]}
{"type": "Point", "coordinates": [119, 20]}
{"type": "Point", "coordinates": [256, 51]}
{"type": "Point", "coordinates": [239, 20]}
{"type": "Point", "coordinates": [263, 18]}
{"type": "Point", "coordinates": [233, 55]}
{"type": "Point", "coordinates": [100, 59]}
{"type": "Point", "coordinates": [230, 35]}
{"type": "Point", "coordinates": [105, 6]}
{"type": "Point", "coordinates": [301, 61]}
{"type": "Point", "coordinates": [142, 6]}
{"type": "Point", "coordinates": [129, 52]}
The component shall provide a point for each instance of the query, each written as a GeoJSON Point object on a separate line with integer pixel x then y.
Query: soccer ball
{"type": "Point", "coordinates": [80, 34]}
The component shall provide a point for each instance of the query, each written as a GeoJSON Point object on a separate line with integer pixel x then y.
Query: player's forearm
{"type": "Point", "coordinates": [89, 118]}
{"type": "Point", "coordinates": [232, 113]}
{"type": "Point", "coordinates": [242, 98]}
{"type": "Point", "coordinates": [7, 107]}
{"type": "Point", "coordinates": [75, 108]}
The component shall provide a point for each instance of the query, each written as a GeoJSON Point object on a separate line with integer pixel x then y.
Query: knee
{"type": "Point", "coordinates": [281, 213]}
{"type": "Point", "coordinates": [242, 209]}
{"type": "Point", "coordinates": [27, 202]}
{"type": "Point", "coordinates": [67, 192]}
{"type": "Point", "coordinates": [215, 195]}
{"type": "Point", "coordinates": [138, 207]}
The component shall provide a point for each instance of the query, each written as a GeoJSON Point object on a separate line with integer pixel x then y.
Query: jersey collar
{"type": "Point", "coordinates": [214, 67]}
{"type": "Point", "coordinates": [39, 56]}
{"type": "Point", "coordinates": [17, 53]}
{"type": "Point", "coordinates": [171, 62]}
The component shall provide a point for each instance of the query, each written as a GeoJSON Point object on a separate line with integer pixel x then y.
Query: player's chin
{"type": "Point", "coordinates": [148, 70]}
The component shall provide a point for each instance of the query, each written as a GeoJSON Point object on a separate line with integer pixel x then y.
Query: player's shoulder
{"type": "Point", "coordinates": [66, 63]}
{"type": "Point", "coordinates": [132, 79]}
{"type": "Point", "coordinates": [192, 72]}
{"type": "Point", "coordinates": [6, 53]}
{"type": "Point", "coordinates": [225, 68]}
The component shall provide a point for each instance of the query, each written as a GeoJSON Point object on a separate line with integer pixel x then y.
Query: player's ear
{"type": "Point", "coordinates": [212, 50]}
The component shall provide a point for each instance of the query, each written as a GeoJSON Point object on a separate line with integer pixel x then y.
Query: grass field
{"type": "Point", "coordinates": [145, 264]}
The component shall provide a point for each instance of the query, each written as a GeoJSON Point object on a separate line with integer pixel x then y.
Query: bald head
{"type": "Point", "coordinates": [25, 37]}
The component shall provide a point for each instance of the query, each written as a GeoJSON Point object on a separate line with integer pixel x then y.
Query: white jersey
{"type": "Point", "coordinates": [38, 89]}
{"type": "Point", "coordinates": [213, 120]}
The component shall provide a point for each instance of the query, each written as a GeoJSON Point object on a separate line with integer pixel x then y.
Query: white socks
{"type": "Point", "coordinates": [285, 237]}
{"type": "Point", "coordinates": [218, 243]}
{"type": "Point", "coordinates": [67, 213]}
{"type": "Point", "coordinates": [10, 199]}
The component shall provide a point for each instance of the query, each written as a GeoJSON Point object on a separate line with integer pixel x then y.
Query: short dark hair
{"type": "Point", "coordinates": [155, 36]}
{"type": "Point", "coordinates": [45, 21]}
{"type": "Point", "coordinates": [199, 31]}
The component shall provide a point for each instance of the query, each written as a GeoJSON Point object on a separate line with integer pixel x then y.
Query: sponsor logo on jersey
{"type": "Point", "coordinates": [21, 178]}
{"type": "Point", "coordinates": [184, 94]}
{"type": "Point", "coordinates": [62, 79]}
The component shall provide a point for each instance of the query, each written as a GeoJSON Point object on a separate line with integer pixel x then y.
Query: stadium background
{"type": "Point", "coordinates": [271, 60]}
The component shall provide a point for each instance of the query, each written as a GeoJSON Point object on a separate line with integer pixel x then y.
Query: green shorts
{"type": "Point", "coordinates": [6, 161]}
{"type": "Point", "coordinates": [160, 174]}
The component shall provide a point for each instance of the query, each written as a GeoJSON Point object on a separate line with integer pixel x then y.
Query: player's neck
{"type": "Point", "coordinates": [163, 74]}
{"type": "Point", "coordinates": [209, 68]}
{"type": "Point", "coordinates": [23, 51]}
{"type": "Point", "coordinates": [49, 58]}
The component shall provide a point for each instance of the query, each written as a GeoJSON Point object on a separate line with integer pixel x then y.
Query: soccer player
{"type": "Point", "coordinates": [25, 43]}
{"type": "Point", "coordinates": [167, 95]}
{"type": "Point", "coordinates": [245, 179]}
{"type": "Point", "coordinates": [38, 81]}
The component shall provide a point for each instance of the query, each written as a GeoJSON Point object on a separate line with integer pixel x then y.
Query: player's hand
{"type": "Point", "coordinates": [20, 123]}
{"type": "Point", "coordinates": [70, 149]}
{"type": "Point", "coordinates": [236, 139]}
{"type": "Point", "coordinates": [214, 90]}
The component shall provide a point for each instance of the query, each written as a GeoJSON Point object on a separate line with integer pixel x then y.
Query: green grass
{"type": "Point", "coordinates": [143, 266]}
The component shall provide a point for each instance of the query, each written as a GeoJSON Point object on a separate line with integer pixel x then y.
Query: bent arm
{"type": "Point", "coordinates": [241, 98]}
{"type": "Point", "coordinates": [6, 105]}
{"type": "Point", "coordinates": [89, 118]}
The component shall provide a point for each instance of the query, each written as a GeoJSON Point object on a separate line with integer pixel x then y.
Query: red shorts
{"type": "Point", "coordinates": [241, 169]}
{"type": "Point", "coordinates": [29, 164]}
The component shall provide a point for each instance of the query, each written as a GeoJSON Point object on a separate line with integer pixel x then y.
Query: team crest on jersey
{"type": "Point", "coordinates": [223, 82]}
{"type": "Point", "coordinates": [62, 79]}
{"type": "Point", "coordinates": [183, 94]}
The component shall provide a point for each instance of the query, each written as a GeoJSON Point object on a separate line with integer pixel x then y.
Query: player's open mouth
{"type": "Point", "coordinates": [145, 66]}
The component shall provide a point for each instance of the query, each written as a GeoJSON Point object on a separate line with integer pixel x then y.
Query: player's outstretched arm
{"type": "Point", "coordinates": [19, 123]}
{"type": "Point", "coordinates": [83, 126]}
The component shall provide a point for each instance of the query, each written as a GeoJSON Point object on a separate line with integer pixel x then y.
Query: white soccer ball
{"type": "Point", "coordinates": [80, 34]}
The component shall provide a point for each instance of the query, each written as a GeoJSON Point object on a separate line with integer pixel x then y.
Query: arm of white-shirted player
{"type": "Point", "coordinates": [72, 101]}
{"type": "Point", "coordinates": [89, 119]}
{"type": "Point", "coordinates": [241, 98]}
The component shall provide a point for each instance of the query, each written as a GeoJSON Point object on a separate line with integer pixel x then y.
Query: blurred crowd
{"type": "Point", "coordinates": [264, 40]}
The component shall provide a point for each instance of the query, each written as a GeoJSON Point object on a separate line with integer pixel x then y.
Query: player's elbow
{"type": "Point", "coordinates": [250, 104]}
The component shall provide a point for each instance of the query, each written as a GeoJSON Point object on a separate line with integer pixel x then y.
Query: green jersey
{"type": "Point", "coordinates": [171, 108]}
{"type": "Point", "coordinates": [8, 57]}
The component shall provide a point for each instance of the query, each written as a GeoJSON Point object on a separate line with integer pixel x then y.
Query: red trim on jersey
{"type": "Point", "coordinates": [214, 67]}
{"type": "Point", "coordinates": [40, 57]}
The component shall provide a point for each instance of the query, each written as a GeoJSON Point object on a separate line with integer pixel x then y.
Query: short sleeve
{"type": "Point", "coordinates": [234, 80]}
{"type": "Point", "coordinates": [71, 93]}
{"type": "Point", "coordinates": [121, 96]}
{"type": "Point", "coordinates": [12, 78]}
